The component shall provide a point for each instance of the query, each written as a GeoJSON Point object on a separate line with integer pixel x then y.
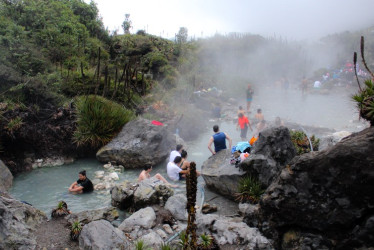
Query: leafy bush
{"type": "Point", "coordinates": [301, 142]}
{"type": "Point", "coordinates": [98, 120]}
{"type": "Point", "coordinates": [250, 189]}
{"type": "Point", "coordinates": [365, 101]}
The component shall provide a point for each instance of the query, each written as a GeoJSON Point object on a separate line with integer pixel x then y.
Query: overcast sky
{"type": "Point", "coordinates": [294, 19]}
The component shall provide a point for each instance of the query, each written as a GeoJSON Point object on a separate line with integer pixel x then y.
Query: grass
{"type": "Point", "coordinates": [301, 142]}
{"type": "Point", "coordinates": [249, 189]}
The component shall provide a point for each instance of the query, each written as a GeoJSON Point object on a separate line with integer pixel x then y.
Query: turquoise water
{"type": "Point", "coordinates": [44, 187]}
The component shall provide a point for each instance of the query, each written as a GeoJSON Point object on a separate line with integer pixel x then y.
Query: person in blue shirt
{"type": "Point", "coordinates": [219, 140]}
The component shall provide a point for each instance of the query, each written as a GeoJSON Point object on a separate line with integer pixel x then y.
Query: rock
{"type": "Point", "coordinates": [247, 208]}
{"type": "Point", "coordinates": [162, 234]}
{"type": "Point", "coordinates": [329, 191]}
{"type": "Point", "coordinates": [270, 154]}
{"type": "Point", "coordinates": [6, 177]}
{"type": "Point", "coordinates": [167, 228]}
{"type": "Point", "coordinates": [331, 140]}
{"type": "Point", "coordinates": [109, 213]}
{"type": "Point", "coordinates": [139, 143]}
{"type": "Point", "coordinates": [220, 176]}
{"type": "Point", "coordinates": [144, 217]}
{"type": "Point", "coordinates": [150, 192]}
{"type": "Point", "coordinates": [123, 195]}
{"type": "Point", "coordinates": [299, 240]}
{"type": "Point", "coordinates": [102, 235]}
{"type": "Point", "coordinates": [177, 206]}
{"type": "Point", "coordinates": [206, 209]}
{"type": "Point", "coordinates": [152, 240]}
{"type": "Point", "coordinates": [18, 221]}
{"type": "Point", "coordinates": [228, 231]}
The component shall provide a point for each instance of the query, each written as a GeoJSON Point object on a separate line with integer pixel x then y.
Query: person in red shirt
{"type": "Point", "coordinates": [243, 124]}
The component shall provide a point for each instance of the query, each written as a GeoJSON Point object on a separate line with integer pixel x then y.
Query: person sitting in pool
{"type": "Point", "coordinates": [145, 174]}
{"type": "Point", "coordinates": [82, 185]}
{"type": "Point", "coordinates": [174, 171]}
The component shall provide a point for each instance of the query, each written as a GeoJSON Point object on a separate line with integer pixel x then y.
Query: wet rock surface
{"type": "Point", "coordinates": [221, 176]}
{"type": "Point", "coordinates": [139, 143]}
{"type": "Point", "coordinates": [109, 214]}
{"type": "Point", "coordinates": [269, 155]}
{"type": "Point", "coordinates": [327, 194]}
{"type": "Point", "coordinates": [6, 177]}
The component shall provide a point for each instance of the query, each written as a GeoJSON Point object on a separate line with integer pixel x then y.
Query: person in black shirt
{"type": "Point", "coordinates": [82, 185]}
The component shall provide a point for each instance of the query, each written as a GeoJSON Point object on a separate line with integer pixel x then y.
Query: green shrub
{"type": "Point", "coordinates": [301, 142]}
{"type": "Point", "coordinates": [365, 101]}
{"type": "Point", "coordinates": [98, 120]}
{"type": "Point", "coordinates": [249, 189]}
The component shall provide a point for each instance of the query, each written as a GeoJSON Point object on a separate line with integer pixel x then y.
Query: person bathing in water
{"type": "Point", "coordinates": [145, 174]}
{"type": "Point", "coordinates": [174, 171]}
{"type": "Point", "coordinates": [82, 185]}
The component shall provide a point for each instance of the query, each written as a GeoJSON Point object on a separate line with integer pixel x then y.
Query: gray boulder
{"type": "Point", "coordinates": [329, 191]}
{"type": "Point", "coordinates": [152, 240]}
{"type": "Point", "coordinates": [150, 192]}
{"type": "Point", "coordinates": [220, 176]}
{"type": "Point", "coordinates": [139, 143]}
{"type": "Point", "coordinates": [108, 213]}
{"type": "Point", "coordinates": [270, 154]}
{"type": "Point", "coordinates": [331, 140]}
{"type": "Point", "coordinates": [123, 195]}
{"type": "Point", "coordinates": [231, 231]}
{"type": "Point", "coordinates": [6, 177]}
{"type": "Point", "coordinates": [18, 222]}
{"type": "Point", "coordinates": [102, 235]}
{"type": "Point", "coordinates": [144, 218]}
{"type": "Point", "coordinates": [177, 206]}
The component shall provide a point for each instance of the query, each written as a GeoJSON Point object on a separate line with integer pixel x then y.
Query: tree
{"type": "Point", "coordinates": [126, 25]}
{"type": "Point", "coordinates": [182, 35]}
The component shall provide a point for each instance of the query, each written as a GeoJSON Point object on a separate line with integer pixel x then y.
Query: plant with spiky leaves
{"type": "Point", "coordinates": [60, 210]}
{"type": "Point", "coordinates": [250, 189]}
{"type": "Point", "coordinates": [365, 96]}
{"type": "Point", "coordinates": [75, 230]}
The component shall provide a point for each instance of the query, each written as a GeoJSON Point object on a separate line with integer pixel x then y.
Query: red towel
{"type": "Point", "coordinates": [157, 123]}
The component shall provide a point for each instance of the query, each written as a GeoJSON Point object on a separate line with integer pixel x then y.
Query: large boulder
{"type": "Point", "coordinates": [148, 192]}
{"type": "Point", "coordinates": [108, 213]}
{"type": "Point", "coordinates": [220, 176]}
{"type": "Point", "coordinates": [139, 143]}
{"type": "Point", "coordinates": [144, 218]}
{"type": "Point", "coordinates": [231, 231]}
{"type": "Point", "coordinates": [176, 205]}
{"type": "Point", "coordinates": [18, 222]}
{"type": "Point", "coordinates": [270, 154]}
{"type": "Point", "coordinates": [6, 177]}
{"type": "Point", "coordinates": [102, 235]}
{"type": "Point", "coordinates": [330, 192]}
{"type": "Point", "coordinates": [152, 240]}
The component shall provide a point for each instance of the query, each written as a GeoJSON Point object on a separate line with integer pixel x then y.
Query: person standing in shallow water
{"type": "Point", "coordinates": [249, 93]}
{"type": "Point", "coordinates": [219, 140]}
{"type": "Point", "coordinates": [243, 124]}
{"type": "Point", "coordinates": [82, 185]}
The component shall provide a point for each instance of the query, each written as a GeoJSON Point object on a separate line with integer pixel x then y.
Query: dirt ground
{"type": "Point", "coordinates": [55, 234]}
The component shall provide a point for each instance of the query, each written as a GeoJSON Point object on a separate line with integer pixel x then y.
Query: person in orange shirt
{"type": "Point", "coordinates": [243, 124]}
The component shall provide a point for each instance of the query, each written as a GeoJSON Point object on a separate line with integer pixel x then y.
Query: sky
{"type": "Point", "coordinates": [292, 19]}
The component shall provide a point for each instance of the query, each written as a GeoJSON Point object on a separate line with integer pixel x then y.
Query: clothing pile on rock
{"type": "Point", "coordinates": [240, 152]}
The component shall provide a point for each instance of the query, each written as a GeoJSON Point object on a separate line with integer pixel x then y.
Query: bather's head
{"type": "Point", "coordinates": [82, 175]}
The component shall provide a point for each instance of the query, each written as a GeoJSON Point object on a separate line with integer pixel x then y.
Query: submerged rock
{"type": "Point", "coordinates": [220, 176]}
{"type": "Point", "coordinates": [330, 191]}
{"type": "Point", "coordinates": [6, 177]}
{"type": "Point", "coordinates": [139, 143]}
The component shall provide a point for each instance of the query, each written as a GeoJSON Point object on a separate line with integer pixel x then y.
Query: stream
{"type": "Point", "coordinates": [44, 187]}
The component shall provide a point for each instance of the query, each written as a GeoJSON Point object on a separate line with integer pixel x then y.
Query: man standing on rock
{"type": "Point", "coordinates": [176, 152]}
{"type": "Point", "coordinates": [219, 139]}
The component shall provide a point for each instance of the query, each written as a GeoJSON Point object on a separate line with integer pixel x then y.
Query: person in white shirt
{"type": "Point", "coordinates": [176, 152]}
{"type": "Point", "coordinates": [174, 172]}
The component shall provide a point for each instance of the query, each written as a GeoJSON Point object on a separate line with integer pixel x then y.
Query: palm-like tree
{"type": "Point", "coordinates": [75, 230]}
